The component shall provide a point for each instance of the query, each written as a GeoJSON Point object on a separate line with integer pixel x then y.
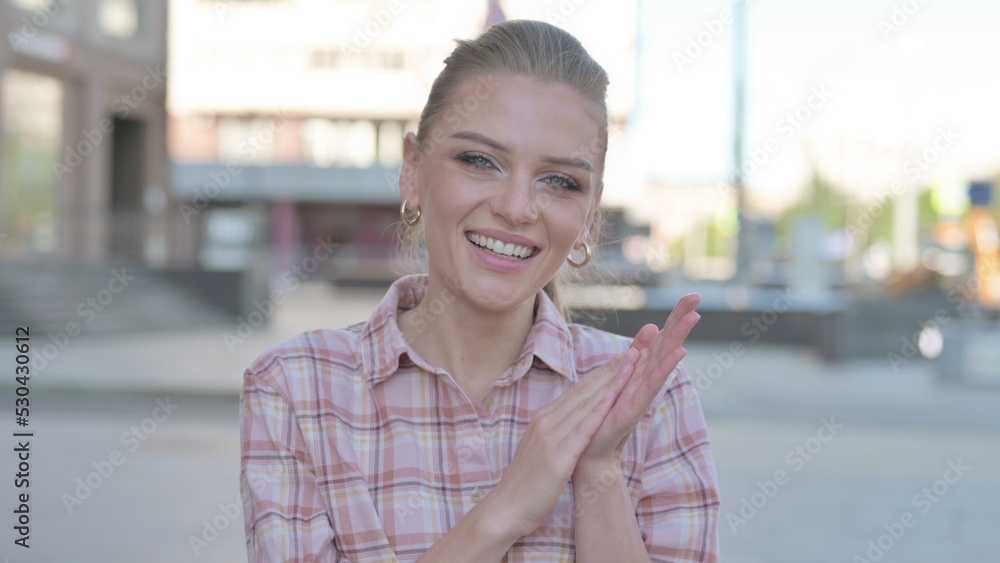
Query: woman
{"type": "Point", "coordinates": [466, 420]}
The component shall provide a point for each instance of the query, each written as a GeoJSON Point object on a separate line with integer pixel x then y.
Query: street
{"type": "Point", "coordinates": [137, 458]}
{"type": "Point", "coordinates": [173, 497]}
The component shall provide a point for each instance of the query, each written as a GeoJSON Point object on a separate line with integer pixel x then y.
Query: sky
{"type": "Point", "coordinates": [859, 84]}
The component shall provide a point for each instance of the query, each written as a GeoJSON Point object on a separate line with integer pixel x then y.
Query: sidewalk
{"type": "Point", "coordinates": [763, 381]}
{"type": "Point", "coordinates": [769, 409]}
{"type": "Point", "coordinates": [200, 360]}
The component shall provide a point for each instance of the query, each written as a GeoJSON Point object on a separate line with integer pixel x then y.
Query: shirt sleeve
{"type": "Point", "coordinates": [678, 509]}
{"type": "Point", "coordinates": [284, 513]}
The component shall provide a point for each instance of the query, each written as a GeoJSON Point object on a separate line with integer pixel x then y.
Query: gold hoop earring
{"type": "Point", "coordinates": [586, 248]}
{"type": "Point", "coordinates": [407, 220]}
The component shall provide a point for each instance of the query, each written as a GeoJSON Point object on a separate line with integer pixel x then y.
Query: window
{"type": "Point", "coordinates": [246, 139]}
{"type": "Point", "coordinates": [33, 160]}
{"type": "Point", "coordinates": [118, 18]}
{"type": "Point", "coordinates": [329, 142]}
{"type": "Point", "coordinates": [364, 59]}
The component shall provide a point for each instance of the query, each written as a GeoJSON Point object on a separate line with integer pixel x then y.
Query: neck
{"type": "Point", "coordinates": [474, 346]}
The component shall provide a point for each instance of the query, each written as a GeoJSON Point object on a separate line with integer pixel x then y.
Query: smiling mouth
{"type": "Point", "coordinates": [508, 250]}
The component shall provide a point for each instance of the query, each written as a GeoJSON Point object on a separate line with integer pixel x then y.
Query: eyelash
{"type": "Point", "coordinates": [476, 159]}
{"type": "Point", "coordinates": [471, 159]}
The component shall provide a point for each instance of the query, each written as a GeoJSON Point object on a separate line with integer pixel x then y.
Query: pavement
{"type": "Point", "coordinates": [135, 453]}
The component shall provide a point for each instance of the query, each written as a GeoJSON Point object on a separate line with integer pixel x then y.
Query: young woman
{"type": "Point", "coordinates": [467, 420]}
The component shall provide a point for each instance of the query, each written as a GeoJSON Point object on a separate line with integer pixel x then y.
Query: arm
{"type": "Point", "coordinates": [483, 535]}
{"type": "Point", "coordinates": [677, 517]}
{"type": "Point", "coordinates": [678, 512]}
{"type": "Point", "coordinates": [605, 525]}
{"type": "Point", "coordinates": [283, 510]}
{"type": "Point", "coordinates": [678, 444]}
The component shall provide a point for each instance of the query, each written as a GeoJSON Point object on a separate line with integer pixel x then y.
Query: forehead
{"type": "Point", "coordinates": [527, 114]}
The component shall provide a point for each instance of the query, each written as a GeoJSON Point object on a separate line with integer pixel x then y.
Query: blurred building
{"type": "Point", "coordinates": [286, 123]}
{"type": "Point", "coordinates": [84, 172]}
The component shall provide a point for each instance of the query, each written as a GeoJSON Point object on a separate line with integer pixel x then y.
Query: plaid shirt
{"type": "Point", "coordinates": [355, 449]}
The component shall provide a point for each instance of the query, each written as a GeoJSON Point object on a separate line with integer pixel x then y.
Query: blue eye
{"type": "Point", "coordinates": [475, 160]}
{"type": "Point", "coordinates": [564, 182]}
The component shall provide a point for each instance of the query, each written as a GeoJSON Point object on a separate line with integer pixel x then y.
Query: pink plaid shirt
{"type": "Point", "coordinates": [356, 449]}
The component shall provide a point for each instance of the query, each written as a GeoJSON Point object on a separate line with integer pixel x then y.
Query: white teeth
{"type": "Point", "coordinates": [499, 247]}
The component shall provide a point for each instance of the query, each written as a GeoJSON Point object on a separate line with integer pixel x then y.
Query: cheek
{"type": "Point", "coordinates": [566, 222]}
{"type": "Point", "coordinates": [448, 202]}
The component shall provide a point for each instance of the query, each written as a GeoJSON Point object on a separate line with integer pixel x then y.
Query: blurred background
{"type": "Point", "coordinates": [185, 183]}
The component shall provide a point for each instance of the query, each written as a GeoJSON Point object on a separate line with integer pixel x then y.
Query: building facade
{"type": "Point", "coordinates": [84, 173]}
{"type": "Point", "coordinates": [287, 119]}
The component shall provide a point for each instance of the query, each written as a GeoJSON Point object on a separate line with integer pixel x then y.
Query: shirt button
{"type": "Point", "coordinates": [478, 495]}
{"type": "Point", "coordinates": [489, 403]}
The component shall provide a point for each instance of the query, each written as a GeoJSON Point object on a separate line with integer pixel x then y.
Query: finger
{"type": "Point", "coordinates": [681, 329]}
{"type": "Point", "coordinates": [639, 394]}
{"type": "Point", "coordinates": [660, 361]}
{"type": "Point", "coordinates": [645, 336]}
{"type": "Point", "coordinates": [670, 340]}
{"type": "Point", "coordinates": [575, 421]}
{"type": "Point", "coordinates": [684, 306]}
{"type": "Point", "coordinates": [611, 374]}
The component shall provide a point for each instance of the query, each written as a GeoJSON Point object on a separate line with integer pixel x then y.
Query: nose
{"type": "Point", "coordinates": [516, 201]}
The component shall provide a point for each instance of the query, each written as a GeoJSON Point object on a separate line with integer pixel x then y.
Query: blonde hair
{"type": "Point", "coordinates": [531, 48]}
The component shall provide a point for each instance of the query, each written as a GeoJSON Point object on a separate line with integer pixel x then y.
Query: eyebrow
{"type": "Point", "coordinates": [575, 162]}
{"type": "Point", "coordinates": [469, 135]}
{"type": "Point", "coordinates": [479, 138]}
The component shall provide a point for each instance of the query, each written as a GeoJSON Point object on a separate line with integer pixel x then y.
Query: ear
{"type": "Point", "coordinates": [585, 234]}
{"type": "Point", "coordinates": [407, 175]}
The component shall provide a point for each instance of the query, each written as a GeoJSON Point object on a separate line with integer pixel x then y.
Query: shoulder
{"type": "Point", "coordinates": [289, 365]}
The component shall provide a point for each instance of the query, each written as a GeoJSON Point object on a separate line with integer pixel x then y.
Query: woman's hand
{"type": "Point", "coordinates": [547, 454]}
{"type": "Point", "coordinates": [660, 353]}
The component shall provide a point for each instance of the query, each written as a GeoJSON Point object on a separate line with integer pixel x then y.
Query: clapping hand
{"type": "Point", "coordinates": [660, 352]}
{"type": "Point", "coordinates": [589, 424]}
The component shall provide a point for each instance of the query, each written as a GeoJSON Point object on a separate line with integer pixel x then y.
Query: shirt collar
{"type": "Point", "coordinates": [382, 343]}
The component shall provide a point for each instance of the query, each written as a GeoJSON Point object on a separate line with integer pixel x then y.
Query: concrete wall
{"type": "Point", "coordinates": [103, 77]}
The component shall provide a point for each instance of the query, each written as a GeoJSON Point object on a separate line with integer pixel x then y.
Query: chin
{"type": "Point", "coordinates": [497, 295]}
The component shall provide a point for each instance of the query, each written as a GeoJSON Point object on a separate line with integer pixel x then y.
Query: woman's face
{"type": "Point", "coordinates": [508, 181]}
